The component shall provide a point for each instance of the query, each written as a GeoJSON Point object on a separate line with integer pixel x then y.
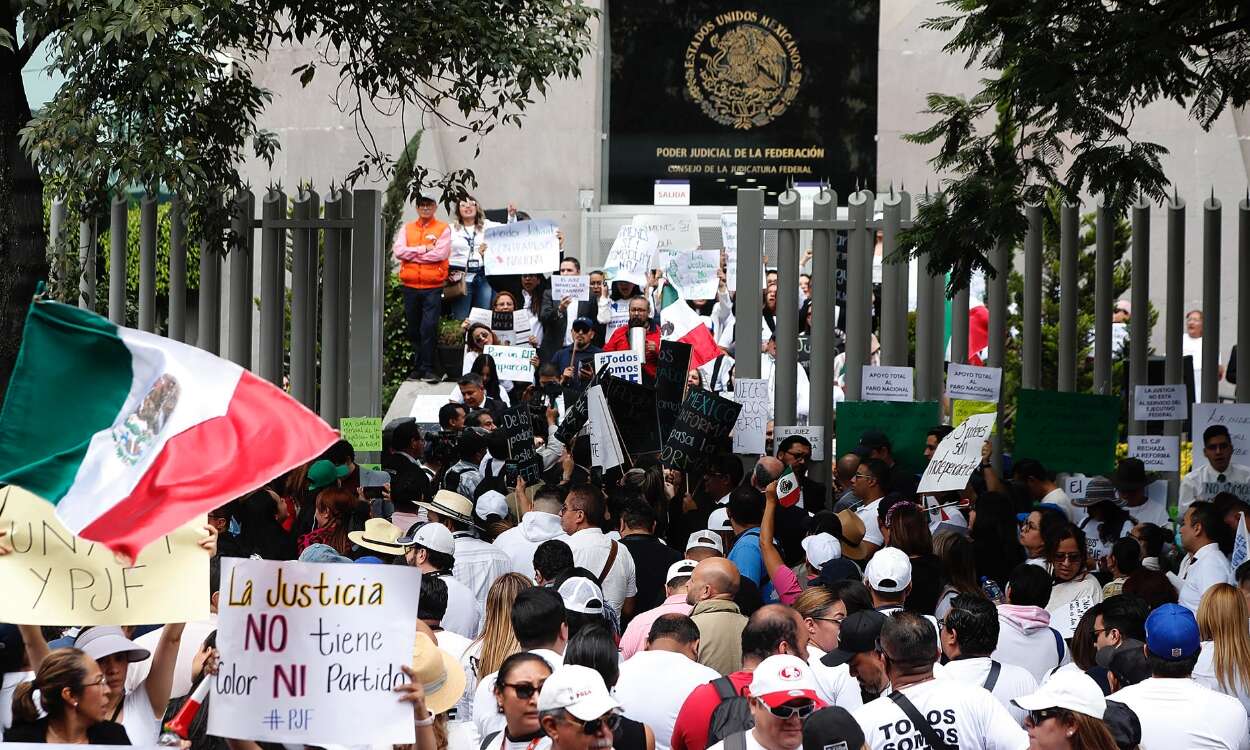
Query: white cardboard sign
{"type": "Point", "coordinates": [1157, 452]}
{"type": "Point", "coordinates": [631, 254]}
{"type": "Point", "coordinates": [973, 383]}
{"type": "Point", "coordinates": [512, 362]}
{"type": "Point", "coordinates": [522, 247]}
{"type": "Point", "coordinates": [729, 233]}
{"type": "Point", "coordinates": [814, 434]}
{"type": "Point", "coordinates": [311, 653]}
{"type": "Point", "coordinates": [693, 272]}
{"type": "Point", "coordinates": [671, 231]}
{"type": "Point", "coordinates": [751, 428]}
{"type": "Point", "coordinates": [887, 383]}
{"type": "Point", "coordinates": [606, 450]}
{"type": "Point", "coordinates": [626, 365]}
{"type": "Point", "coordinates": [575, 287]}
{"type": "Point", "coordinates": [1160, 402]}
{"type": "Point", "coordinates": [958, 455]}
{"type": "Point", "coordinates": [1236, 417]}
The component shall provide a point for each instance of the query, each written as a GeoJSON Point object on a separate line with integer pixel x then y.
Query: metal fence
{"type": "Point", "coordinates": [317, 261]}
{"type": "Point", "coordinates": [929, 354]}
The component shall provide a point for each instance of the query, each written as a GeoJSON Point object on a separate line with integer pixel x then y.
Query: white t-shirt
{"type": "Point", "coordinates": [1094, 544]}
{"type": "Point", "coordinates": [1069, 600]}
{"type": "Point", "coordinates": [966, 716]}
{"type": "Point", "coordinates": [872, 524]}
{"type": "Point", "coordinates": [464, 615]}
{"type": "Point", "coordinates": [1204, 675]}
{"type": "Point", "coordinates": [453, 643]}
{"type": "Point", "coordinates": [486, 716]}
{"type": "Point", "coordinates": [1012, 682]}
{"type": "Point", "coordinates": [1058, 497]}
{"type": "Point", "coordinates": [478, 565]}
{"type": "Point", "coordinates": [834, 685]}
{"type": "Point", "coordinates": [653, 685]}
{"type": "Point", "coordinates": [1199, 572]}
{"type": "Point", "coordinates": [193, 636]}
{"type": "Point", "coordinates": [1180, 713]}
{"type": "Point", "coordinates": [143, 726]}
{"type": "Point", "coordinates": [751, 743]}
{"type": "Point", "coordinates": [590, 551]}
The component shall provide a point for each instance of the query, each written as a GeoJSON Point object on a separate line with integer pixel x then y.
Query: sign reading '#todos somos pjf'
{"type": "Point", "coordinates": [311, 653]}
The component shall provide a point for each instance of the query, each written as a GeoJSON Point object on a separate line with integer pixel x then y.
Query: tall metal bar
{"type": "Point", "coordinates": [209, 338]}
{"type": "Point", "coordinates": [1174, 315]}
{"type": "Point", "coordinates": [1104, 236]}
{"type": "Point", "coordinates": [903, 284]}
{"type": "Point", "coordinates": [787, 364]}
{"type": "Point", "coordinates": [272, 286]}
{"type": "Point", "coordinates": [302, 331]}
{"type": "Point", "coordinates": [240, 335]}
{"type": "Point", "coordinates": [365, 341]}
{"type": "Point", "coordinates": [1069, 292]}
{"type": "Point", "coordinates": [1001, 260]}
{"type": "Point", "coordinates": [747, 316]}
{"type": "Point", "coordinates": [1139, 321]}
{"type": "Point", "coordinates": [858, 281]}
{"type": "Point", "coordinates": [177, 271]}
{"type": "Point", "coordinates": [346, 211]}
{"type": "Point", "coordinates": [330, 342]}
{"type": "Point", "coordinates": [937, 320]}
{"type": "Point", "coordinates": [1211, 211]}
{"type": "Point", "coordinates": [87, 252]}
{"type": "Point", "coordinates": [118, 237]}
{"type": "Point", "coordinates": [313, 299]}
{"type": "Point", "coordinates": [1031, 351]}
{"type": "Point", "coordinates": [147, 263]}
{"type": "Point", "coordinates": [824, 294]}
{"type": "Point", "coordinates": [893, 349]}
{"type": "Point", "coordinates": [924, 334]}
{"type": "Point", "coordinates": [1243, 301]}
{"type": "Point", "coordinates": [959, 326]}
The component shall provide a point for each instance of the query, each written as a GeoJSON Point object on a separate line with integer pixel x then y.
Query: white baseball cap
{"type": "Point", "coordinates": [680, 569]}
{"type": "Point", "coordinates": [578, 690]}
{"type": "Point", "coordinates": [781, 678]}
{"type": "Point", "coordinates": [719, 520]}
{"type": "Point", "coordinates": [705, 538]}
{"type": "Point", "coordinates": [582, 595]}
{"type": "Point", "coordinates": [1069, 689]}
{"type": "Point", "coordinates": [433, 536]}
{"type": "Point", "coordinates": [889, 570]}
{"type": "Point", "coordinates": [491, 503]}
{"type": "Point", "coordinates": [821, 548]}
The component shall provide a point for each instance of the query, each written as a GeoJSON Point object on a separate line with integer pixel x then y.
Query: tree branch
{"type": "Point", "coordinates": [1215, 32]}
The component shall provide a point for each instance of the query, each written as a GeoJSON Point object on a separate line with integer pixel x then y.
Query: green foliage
{"type": "Point", "coordinates": [397, 350]}
{"type": "Point", "coordinates": [1063, 80]}
{"type": "Point", "coordinates": [400, 189]}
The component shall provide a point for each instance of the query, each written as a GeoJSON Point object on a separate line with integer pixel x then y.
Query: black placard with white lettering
{"type": "Point", "coordinates": [501, 321]}
{"type": "Point", "coordinates": [673, 367]}
{"type": "Point", "coordinates": [633, 406]}
{"type": "Point", "coordinates": [576, 413]}
{"type": "Point", "coordinates": [705, 421]}
{"type": "Point", "coordinates": [521, 452]}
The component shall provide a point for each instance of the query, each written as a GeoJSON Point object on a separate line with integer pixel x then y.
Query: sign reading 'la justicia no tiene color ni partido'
{"type": "Point", "coordinates": [732, 95]}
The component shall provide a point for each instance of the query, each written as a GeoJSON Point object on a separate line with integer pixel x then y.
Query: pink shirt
{"type": "Point", "coordinates": [635, 636]}
{"type": "Point", "coordinates": [786, 584]}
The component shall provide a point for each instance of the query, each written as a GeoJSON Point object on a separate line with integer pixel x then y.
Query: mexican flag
{"type": "Point", "coordinates": [131, 435]}
{"type": "Point", "coordinates": [680, 323]}
{"type": "Point", "coordinates": [788, 490]}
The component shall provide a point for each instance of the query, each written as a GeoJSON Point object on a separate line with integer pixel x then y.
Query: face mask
{"type": "Point", "coordinates": [1176, 537]}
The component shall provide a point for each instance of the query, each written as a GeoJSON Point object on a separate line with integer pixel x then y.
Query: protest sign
{"type": "Point", "coordinates": [522, 247]}
{"type": "Point", "coordinates": [961, 410]}
{"type": "Point", "coordinates": [523, 458]}
{"type": "Point", "coordinates": [752, 422]}
{"type": "Point", "coordinates": [52, 577]}
{"type": "Point", "coordinates": [1159, 402]}
{"type": "Point", "coordinates": [513, 327]}
{"type": "Point", "coordinates": [694, 273]}
{"type": "Point", "coordinates": [814, 435]}
{"type": "Point", "coordinates": [634, 410]}
{"type": "Point", "coordinates": [512, 362]}
{"type": "Point", "coordinates": [631, 254]}
{"type": "Point", "coordinates": [573, 420]}
{"type": "Point", "coordinates": [805, 351]}
{"type": "Point", "coordinates": [672, 369]}
{"type": "Point", "coordinates": [1157, 452]}
{"type": "Point", "coordinates": [1072, 432]}
{"type": "Point", "coordinates": [973, 383]}
{"type": "Point", "coordinates": [957, 456]}
{"type": "Point", "coordinates": [704, 421]}
{"type": "Point", "coordinates": [576, 288]}
{"type": "Point", "coordinates": [364, 433]}
{"type": "Point", "coordinates": [606, 451]}
{"type": "Point", "coordinates": [311, 653]}
{"type": "Point", "coordinates": [671, 231]}
{"type": "Point", "coordinates": [729, 234]}
{"type": "Point", "coordinates": [1236, 417]}
{"type": "Point", "coordinates": [904, 423]}
{"type": "Point", "coordinates": [626, 365]}
{"type": "Point", "coordinates": [887, 383]}
{"type": "Point", "coordinates": [484, 316]}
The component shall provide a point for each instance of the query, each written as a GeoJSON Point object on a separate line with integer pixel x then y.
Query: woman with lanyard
{"type": "Point", "coordinates": [468, 249]}
{"type": "Point", "coordinates": [520, 679]}
{"type": "Point", "coordinates": [1075, 589]}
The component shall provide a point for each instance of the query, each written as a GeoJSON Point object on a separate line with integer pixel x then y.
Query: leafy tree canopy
{"type": "Point", "coordinates": [1063, 82]}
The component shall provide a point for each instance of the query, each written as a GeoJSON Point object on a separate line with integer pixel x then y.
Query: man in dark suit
{"type": "Point", "coordinates": [796, 452]}
{"type": "Point", "coordinates": [555, 314]}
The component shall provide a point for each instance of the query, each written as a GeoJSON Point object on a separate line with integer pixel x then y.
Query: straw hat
{"type": "Point", "coordinates": [380, 535]}
{"type": "Point", "coordinates": [852, 535]}
{"type": "Point", "coordinates": [452, 505]}
{"type": "Point", "coordinates": [439, 673]}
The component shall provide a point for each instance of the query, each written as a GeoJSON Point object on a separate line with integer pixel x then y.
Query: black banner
{"type": "Point", "coordinates": [749, 94]}
{"type": "Point", "coordinates": [576, 414]}
{"type": "Point", "coordinates": [670, 382]}
{"type": "Point", "coordinates": [633, 407]}
{"type": "Point", "coordinates": [521, 452]}
{"type": "Point", "coordinates": [705, 420]}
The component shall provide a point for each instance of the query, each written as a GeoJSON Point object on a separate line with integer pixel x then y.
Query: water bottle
{"type": "Point", "coordinates": [991, 589]}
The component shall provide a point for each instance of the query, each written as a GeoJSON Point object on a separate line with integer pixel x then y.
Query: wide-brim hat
{"type": "Point", "coordinates": [439, 673]}
{"type": "Point", "coordinates": [852, 535]}
{"type": "Point", "coordinates": [1130, 474]}
{"type": "Point", "coordinates": [451, 504]}
{"type": "Point", "coordinates": [106, 640]}
{"type": "Point", "coordinates": [1098, 490]}
{"type": "Point", "coordinates": [379, 535]}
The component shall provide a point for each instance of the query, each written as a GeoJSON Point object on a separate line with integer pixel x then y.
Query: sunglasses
{"type": "Point", "coordinates": [786, 711]}
{"type": "Point", "coordinates": [524, 690]}
{"type": "Point", "coordinates": [1035, 718]}
{"type": "Point", "coordinates": [595, 726]}
{"type": "Point", "coordinates": [1068, 557]}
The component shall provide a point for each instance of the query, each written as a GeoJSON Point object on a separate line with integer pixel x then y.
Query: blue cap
{"type": "Point", "coordinates": [584, 322]}
{"type": "Point", "coordinates": [369, 560]}
{"type": "Point", "coordinates": [1172, 633]}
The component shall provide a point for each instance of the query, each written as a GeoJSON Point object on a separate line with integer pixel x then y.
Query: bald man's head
{"type": "Point", "coordinates": [713, 578]}
{"type": "Point", "coordinates": [767, 469]}
{"type": "Point", "coordinates": [773, 629]}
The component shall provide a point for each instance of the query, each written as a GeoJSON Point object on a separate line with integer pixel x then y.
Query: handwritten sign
{"type": "Point", "coordinates": [53, 577]}
{"type": "Point", "coordinates": [631, 254]}
{"type": "Point", "coordinates": [973, 383]}
{"type": "Point", "coordinates": [1157, 452]}
{"type": "Point", "coordinates": [671, 231]}
{"type": "Point", "coordinates": [481, 315]}
{"type": "Point", "coordinates": [672, 370]}
{"type": "Point", "coordinates": [364, 433]}
{"type": "Point", "coordinates": [1071, 615]}
{"type": "Point", "coordinates": [312, 653]}
{"type": "Point", "coordinates": [957, 456]}
{"type": "Point", "coordinates": [693, 272]}
{"type": "Point", "coordinates": [814, 435]}
{"type": "Point", "coordinates": [961, 410]}
{"type": "Point", "coordinates": [702, 425]}
{"type": "Point", "coordinates": [522, 247]}
{"type": "Point", "coordinates": [887, 383]}
{"type": "Point", "coordinates": [1159, 402]}
{"type": "Point", "coordinates": [626, 365]}
{"type": "Point", "coordinates": [752, 423]}
{"type": "Point", "coordinates": [426, 406]}
{"type": "Point", "coordinates": [512, 327]}
{"type": "Point", "coordinates": [1236, 417]}
{"type": "Point", "coordinates": [512, 362]}
{"type": "Point", "coordinates": [605, 447]}
{"type": "Point", "coordinates": [522, 456]}
{"type": "Point", "coordinates": [576, 288]}
{"type": "Point", "coordinates": [729, 234]}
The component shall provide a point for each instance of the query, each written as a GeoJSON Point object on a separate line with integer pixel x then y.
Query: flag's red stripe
{"type": "Point", "coordinates": [703, 347]}
{"type": "Point", "coordinates": [263, 434]}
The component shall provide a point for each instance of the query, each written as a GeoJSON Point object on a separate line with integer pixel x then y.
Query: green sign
{"type": "Point", "coordinates": [364, 433]}
{"type": "Point", "coordinates": [903, 422]}
{"type": "Point", "coordinates": [1073, 432]}
{"type": "Point", "coordinates": [961, 410]}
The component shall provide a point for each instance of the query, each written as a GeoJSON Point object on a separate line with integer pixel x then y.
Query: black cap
{"type": "Point", "coordinates": [832, 728]}
{"type": "Point", "coordinates": [870, 441]}
{"type": "Point", "coordinates": [1126, 661]}
{"type": "Point", "coordinates": [859, 636]}
{"type": "Point", "coordinates": [1123, 724]}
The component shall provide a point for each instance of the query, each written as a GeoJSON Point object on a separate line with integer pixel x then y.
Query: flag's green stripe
{"type": "Point", "coordinates": [668, 295]}
{"type": "Point", "coordinates": [72, 377]}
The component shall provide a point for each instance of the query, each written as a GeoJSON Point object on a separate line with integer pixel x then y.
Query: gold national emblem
{"type": "Point", "coordinates": [743, 68]}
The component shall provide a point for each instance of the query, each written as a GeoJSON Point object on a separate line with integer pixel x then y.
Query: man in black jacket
{"type": "Point", "coordinates": [795, 451]}
{"type": "Point", "coordinates": [555, 314]}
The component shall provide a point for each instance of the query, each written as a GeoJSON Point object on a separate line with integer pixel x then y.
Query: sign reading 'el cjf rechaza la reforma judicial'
{"type": "Point", "coordinates": [737, 95]}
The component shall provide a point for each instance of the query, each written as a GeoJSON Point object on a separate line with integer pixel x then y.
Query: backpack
{"type": "Point", "coordinates": [451, 480]}
{"type": "Point", "coordinates": [731, 716]}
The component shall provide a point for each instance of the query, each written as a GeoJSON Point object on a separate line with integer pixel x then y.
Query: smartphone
{"type": "Point", "coordinates": [373, 492]}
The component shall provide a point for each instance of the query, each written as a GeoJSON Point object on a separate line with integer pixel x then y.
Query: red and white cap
{"type": "Point", "coordinates": [782, 678]}
{"type": "Point", "coordinates": [579, 690]}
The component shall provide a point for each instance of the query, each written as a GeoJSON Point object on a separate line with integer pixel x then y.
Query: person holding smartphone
{"type": "Point", "coordinates": [576, 362]}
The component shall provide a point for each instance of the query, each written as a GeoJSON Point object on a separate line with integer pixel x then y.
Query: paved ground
{"type": "Point", "coordinates": [407, 395]}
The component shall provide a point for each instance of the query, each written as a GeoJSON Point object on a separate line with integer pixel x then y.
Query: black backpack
{"type": "Point", "coordinates": [731, 716]}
